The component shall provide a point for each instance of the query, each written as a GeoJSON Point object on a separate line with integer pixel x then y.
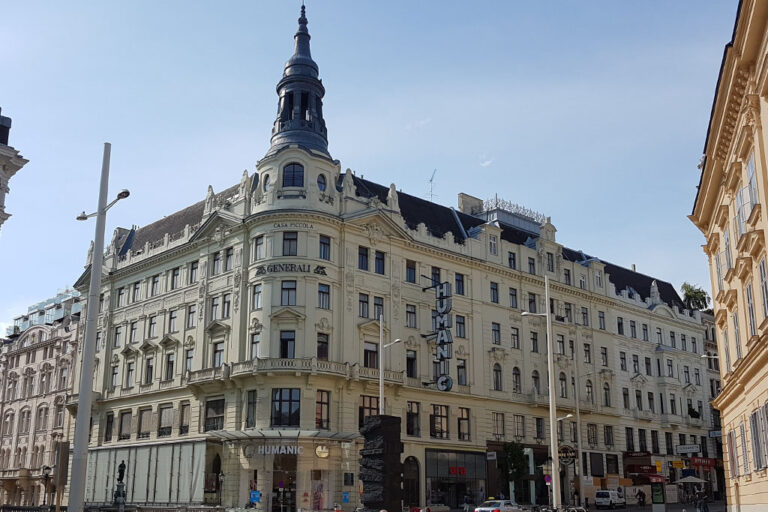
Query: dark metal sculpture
{"type": "Point", "coordinates": [380, 467]}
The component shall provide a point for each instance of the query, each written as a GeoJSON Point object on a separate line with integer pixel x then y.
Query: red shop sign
{"type": "Point", "coordinates": [702, 461]}
{"type": "Point", "coordinates": [457, 470]}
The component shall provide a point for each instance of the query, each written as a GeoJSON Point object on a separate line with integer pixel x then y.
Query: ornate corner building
{"type": "Point", "coordinates": [239, 342]}
{"type": "Point", "coordinates": [36, 378]}
{"type": "Point", "coordinates": [10, 163]}
{"type": "Point", "coordinates": [728, 210]}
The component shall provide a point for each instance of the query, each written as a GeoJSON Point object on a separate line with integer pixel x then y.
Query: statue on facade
{"type": "Point", "coordinates": [120, 495]}
{"type": "Point", "coordinates": [121, 471]}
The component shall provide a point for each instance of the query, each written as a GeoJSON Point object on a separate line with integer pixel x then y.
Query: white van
{"type": "Point", "coordinates": [609, 499]}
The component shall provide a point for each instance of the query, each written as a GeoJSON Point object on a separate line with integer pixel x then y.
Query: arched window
{"type": "Point", "coordinates": [293, 175]}
{"type": "Point", "coordinates": [8, 423]}
{"type": "Point", "coordinates": [411, 482]}
{"type": "Point", "coordinates": [536, 382]}
{"type": "Point", "coordinates": [607, 394]}
{"type": "Point", "coordinates": [321, 183]}
{"type": "Point", "coordinates": [267, 183]}
{"type": "Point", "coordinates": [563, 386]}
{"type": "Point", "coordinates": [516, 384]}
{"type": "Point", "coordinates": [497, 377]}
{"type": "Point", "coordinates": [590, 396]}
{"type": "Point", "coordinates": [41, 423]}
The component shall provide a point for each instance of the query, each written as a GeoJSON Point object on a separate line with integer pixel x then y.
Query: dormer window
{"type": "Point", "coordinates": [321, 182]}
{"type": "Point", "coordinates": [293, 175]}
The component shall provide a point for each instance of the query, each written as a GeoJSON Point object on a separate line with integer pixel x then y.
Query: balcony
{"type": "Point", "coordinates": [642, 415]}
{"type": "Point", "coordinates": [215, 423]}
{"type": "Point", "coordinates": [164, 431]}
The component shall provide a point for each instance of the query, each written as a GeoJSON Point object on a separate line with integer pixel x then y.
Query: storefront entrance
{"type": "Point", "coordinates": [284, 483]}
{"type": "Point", "coordinates": [452, 476]}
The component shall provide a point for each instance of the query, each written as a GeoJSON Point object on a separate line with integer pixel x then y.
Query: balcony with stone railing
{"type": "Point", "coordinates": [642, 415]}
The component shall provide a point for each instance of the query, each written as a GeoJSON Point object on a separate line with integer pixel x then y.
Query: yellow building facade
{"type": "Point", "coordinates": [729, 211]}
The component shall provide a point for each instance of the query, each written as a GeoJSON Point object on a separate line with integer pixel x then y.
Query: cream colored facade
{"type": "Point", "coordinates": [729, 212]}
{"type": "Point", "coordinates": [238, 341]}
{"type": "Point", "coordinates": [36, 378]}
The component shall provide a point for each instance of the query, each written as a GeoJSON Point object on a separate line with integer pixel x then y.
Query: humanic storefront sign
{"type": "Point", "coordinates": [442, 334]}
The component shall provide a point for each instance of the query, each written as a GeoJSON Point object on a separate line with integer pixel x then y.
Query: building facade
{"type": "Point", "coordinates": [728, 210]}
{"type": "Point", "coordinates": [37, 367]}
{"type": "Point", "coordinates": [239, 342]}
{"type": "Point", "coordinates": [11, 162]}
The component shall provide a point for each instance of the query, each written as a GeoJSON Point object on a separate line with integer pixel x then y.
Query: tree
{"type": "Point", "coordinates": [694, 297]}
{"type": "Point", "coordinates": [513, 466]}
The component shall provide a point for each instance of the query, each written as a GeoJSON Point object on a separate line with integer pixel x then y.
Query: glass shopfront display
{"type": "Point", "coordinates": [453, 475]}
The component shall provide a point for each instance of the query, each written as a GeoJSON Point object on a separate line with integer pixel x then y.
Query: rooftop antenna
{"type": "Point", "coordinates": [431, 185]}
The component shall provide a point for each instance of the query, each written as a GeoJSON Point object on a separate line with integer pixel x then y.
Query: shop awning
{"type": "Point", "coordinates": [285, 434]}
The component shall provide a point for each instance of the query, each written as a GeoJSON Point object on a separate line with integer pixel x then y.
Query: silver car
{"type": "Point", "coordinates": [498, 506]}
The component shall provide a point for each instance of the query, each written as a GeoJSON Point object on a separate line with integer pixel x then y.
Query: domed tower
{"type": "Point", "coordinates": [300, 110]}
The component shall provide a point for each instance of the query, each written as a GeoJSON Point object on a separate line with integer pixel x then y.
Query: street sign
{"type": "Point", "coordinates": [659, 467]}
{"type": "Point", "coordinates": [490, 455]}
{"type": "Point", "coordinates": [255, 496]}
{"type": "Point", "coordinates": [547, 479]}
{"type": "Point", "coordinates": [688, 448]}
{"type": "Point", "coordinates": [567, 453]}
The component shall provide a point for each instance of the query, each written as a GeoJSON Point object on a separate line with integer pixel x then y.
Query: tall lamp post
{"type": "Point", "coordinates": [46, 476]}
{"type": "Point", "coordinates": [382, 346]}
{"type": "Point", "coordinates": [85, 397]}
{"type": "Point", "coordinates": [552, 404]}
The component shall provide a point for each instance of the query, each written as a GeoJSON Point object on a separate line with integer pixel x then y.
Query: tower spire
{"type": "Point", "coordinates": [300, 110]}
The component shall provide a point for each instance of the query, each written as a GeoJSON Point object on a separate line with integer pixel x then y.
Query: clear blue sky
{"type": "Point", "coordinates": [591, 112]}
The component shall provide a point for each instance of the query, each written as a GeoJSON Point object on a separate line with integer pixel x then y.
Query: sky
{"type": "Point", "coordinates": [593, 113]}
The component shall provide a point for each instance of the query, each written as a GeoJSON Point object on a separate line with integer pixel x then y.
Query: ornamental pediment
{"type": "Point", "coordinates": [147, 346]}
{"type": "Point", "coordinates": [169, 341]}
{"type": "Point", "coordinates": [377, 227]}
{"type": "Point", "coordinates": [689, 388]}
{"type": "Point", "coordinates": [129, 351]}
{"type": "Point", "coordinates": [370, 328]}
{"type": "Point", "coordinates": [217, 327]}
{"type": "Point", "coordinates": [662, 310]}
{"type": "Point", "coordinates": [287, 313]}
{"type": "Point", "coordinates": [638, 379]}
{"type": "Point", "coordinates": [216, 227]}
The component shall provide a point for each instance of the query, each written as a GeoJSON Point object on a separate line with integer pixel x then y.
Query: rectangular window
{"type": "Point", "coordinates": [463, 424]}
{"type": "Point", "coordinates": [218, 355]}
{"type": "Point", "coordinates": [438, 422]}
{"type": "Point", "coordinates": [109, 427]}
{"type": "Point", "coordinates": [459, 284]}
{"type": "Point", "coordinates": [378, 307]}
{"type": "Point", "coordinates": [539, 422]}
{"type": "Point", "coordinates": [152, 329]}
{"type": "Point", "coordinates": [461, 372]}
{"type": "Point", "coordinates": [493, 244]}
{"type": "Point", "coordinates": [497, 418]}
{"type": "Point", "coordinates": [532, 266]}
{"type": "Point", "coordinates": [568, 307]}
{"type": "Point", "coordinates": [412, 420]}
{"type": "Point", "coordinates": [362, 258]}
{"type": "Point", "coordinates": [515, 337]}
{"type": "Point", "coordinates": [290, 243]}
{"type": "Point", "coordinates": [519, 425]}
{"type": "Point", "coordinates": [172, 321]}
{"type": "Point", "coordinates": [323, 296]}
{"type": "Point", "coordinates": [635, 363]}
{"type": "Point", "coordinates": [601, 320]}
{"type": "Point", "coordinates": [534, 342]}
{"type": "Point", "coordinates": [169, 362]}
{"type": "Point", "coordinates": [410, 271]}
{"type": "Point", "coordinates": [592, 434]}
{"type": "Point", "coordinates": [550, 262]}
{"type": "Point", "coordinates": [214, 415]}
{"type": "Point", "coordinates": [287, 344]}
{"type": "Point", "coordinates": [648, 370]}
{"type": "Point", "coordinates": [258, 248]}
{"type": "Point", "coordinates": [567, 276]}
{"type": "Point", "coordinates": [410, 316]}
{"type": "Point", "coordinates": [256, 296]}
{"type": "Point", "coordinates": [362, 303]}
{"type": "Point", "coordinates": [193, 272]}
{"type": "Point", "coordinates": [371, 355]}
{"type": "Point", "coordinates": [114, 377]}
{"type": "Point", "coordinates": [461, 326]}
{"type": "Point", "coordinates": [121, 296]}
{"type": "Point", "coordinates": [598, 279]}
{"type": "Point", "coordinates": [583, 282]}
{"type": "Point", "coordinates": [118, 336]}
{"type": "Point", "coordinates": [215, 301]}
{"type": "Point", "coordinates": [184, 419]}
{"type": "Point", "coordinates": [322, 347]}
{"type": "Point", "coordinates": [136, 292]}
{"type": "Point", "coordinates": [165, 421]}
{"type": "Point", "coordinates": [325, 248]}
{"type": "Point", "coordinates": [495, 333]}
{"type": "Point", "coordinates": [620, 325]}
{"type": "Point", "coordinates": [531, 302]}
{"type": "Point", "coordinates": [369, 406]}
{"type": "Point", "coordinates": [322, 410]}
{"type": "Point", "coordinates": [285, 410]}
{"type": "Point", "coordinates": [154, 285]}
{"type": "Point", "coordinates": [125, 426]}
{"type": "Point", "coordinates": [633, 329]}
{"type": "Point", "coordinates": [129, 373]}
{"type": "Point", "coordinates": [604, 356]}
{"type": "Point", "coordinates": [588, 353]}
{"type": "Point", "coordinates": [379, 263]}
{"type": "Point", "coordinates": [288, 293]}
{"type": "Point", "coordinates": [436, 279]}
{"type": "Point", "coordinates": [751, 310]}
{"type": "Point", "coordinates": [608, 435]}
{"type": "Point", "coordinates": [229, 259]}
{"type": "Point", "coordinates": [188, 358]}
{"type": "Point", "coordinates": [630, 438]}
{"type": "Point", "coordinates": [410, 364]}
{"type": "Point", "coordinates": [175, 273]}
{"type": "Point", "coordinates": [513, 298]}
{"type": "Point", "coordinates": [512, 260]}
{"type": "Point", "coordinates": [495, 292]}
{"type": "Point", "coordinates": [191, 311]}
{"type": "Point", "coordinates": [149, 370]}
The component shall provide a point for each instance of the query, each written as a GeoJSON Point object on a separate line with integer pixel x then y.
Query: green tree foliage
{"type": "Point", "coordinates": [513, 466]}
{"type": "Point", "coordinates": [694, 297]}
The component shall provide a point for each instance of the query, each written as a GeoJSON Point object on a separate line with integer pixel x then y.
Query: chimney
{"type": "Point", "coordinates": [634, 269]}
{"type": "Point", "coordinates": [469, 204]}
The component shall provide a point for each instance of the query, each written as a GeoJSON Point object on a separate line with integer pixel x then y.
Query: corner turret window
{"type": "Point", "coordinates": [321, 182]}
{"type": "Point", "coordinates": [267, 184]}
{"type": "Point", "coordinates": [293, 175]}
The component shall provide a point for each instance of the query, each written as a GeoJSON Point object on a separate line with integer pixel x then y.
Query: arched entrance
{"type": "Point", "coordinates": [411, 482]}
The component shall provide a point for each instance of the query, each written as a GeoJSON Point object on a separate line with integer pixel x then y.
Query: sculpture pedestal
{"type": "Point", "coordinates": [120, 496]}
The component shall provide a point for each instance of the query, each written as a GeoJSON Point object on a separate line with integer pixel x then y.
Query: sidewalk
{"type": "Point", "coordinates": [671, 507]}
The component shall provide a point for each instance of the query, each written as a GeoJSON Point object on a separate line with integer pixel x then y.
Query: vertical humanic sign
{"type": "Point", "coordinates": [443, 337]}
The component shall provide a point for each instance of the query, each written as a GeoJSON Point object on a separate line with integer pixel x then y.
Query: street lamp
{"type": "Point", "coordinates": [569, 415]}
{"type": "Point", "coordinates": [552, 404]}
{"type": "Point", "coordinates": [85, 398]}
{"type": "Point", "coordinates": [46, 476]}
{"type": "Point", "coordinates": [382, 346]}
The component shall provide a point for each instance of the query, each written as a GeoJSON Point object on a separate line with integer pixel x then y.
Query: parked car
{"type": "Point", "coordinates": [609, 499]}
{"type": "Point", "coordinates": [498, 506]}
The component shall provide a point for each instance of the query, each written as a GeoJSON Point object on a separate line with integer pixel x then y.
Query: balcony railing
{"type": "Point", "coordinates": [216, 423]}
{"type": "Point", "coordinates": [164, 431]}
